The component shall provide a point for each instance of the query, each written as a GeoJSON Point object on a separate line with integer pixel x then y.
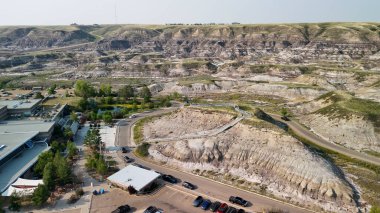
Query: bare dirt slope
{"type": "Point", "coordinates": [178, 124]}
{"type": "Point", "coordinates": [265, 156]}
{"type": "Point", "coordinates": [340, 118]}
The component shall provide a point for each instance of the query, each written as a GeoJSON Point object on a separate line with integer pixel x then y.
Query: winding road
{"type": "Point", "coordinates": [206, 187]}
{"type": "Point", "coordinates": [221, 191]}
{"type": "Point", "coordinates": [305, 133]}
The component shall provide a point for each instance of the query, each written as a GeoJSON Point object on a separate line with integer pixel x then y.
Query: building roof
{"type": "Point", "coordinates": [15, 167]}
{"type": "Point", "coordinates": [134, 176]}
{"type": "Point", "coordinates": [19, 191]}
{"type": "Point", "coordinates": [23, 187]}
{"type": "Point", "coordinates": [25, 126]}
{"type": "Point", "coordinates": [27, 182]}
{"type": "Point", "coordinates": [20, 104]}
{"type": "Point", "coordinates": [12, 141]}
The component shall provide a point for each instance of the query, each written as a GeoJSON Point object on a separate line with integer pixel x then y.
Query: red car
{"type": "Point", "coordinates": [222, 208]}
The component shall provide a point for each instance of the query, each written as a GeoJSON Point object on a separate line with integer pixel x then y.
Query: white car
{"type": "Point", "coordinates": [132, 116]}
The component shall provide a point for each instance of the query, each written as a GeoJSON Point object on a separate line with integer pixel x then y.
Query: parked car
{"type": "Point", "coordinates": [238, 200]}
{"type": "Point", "coordinates": [124, 150]}
{"type": "Point", "coordinates": [197, 201]}
{"type": "Point", "coordinates": [141, 166]}
{"type": "Point", "coordinates": [127, 159]}
{"type": "Point", "coordinates": [241, 211]}
{"type": "Point", "coordinates": [285, 118]}
{"type": "Point", "coordinates": [122, 209]}
{"type": "Point", "coordinates": [222, 208]}
{"type": "Point", "coordinates": [205, 204]}
{"type": "Point", "coordinates": [231, 210]}
{"type": "Point", "coordinates": [169, 178]}
{"type": "Point", "coordinates": [132, 116]}
{"type": "Point", "coordinates": [150, 209]}
{"type": "Point", "coordinates": [214, 206]}
{"type": "Point", "coordinates": [188, 185]}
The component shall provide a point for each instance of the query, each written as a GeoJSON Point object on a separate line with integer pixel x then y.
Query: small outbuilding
{"type": "Point", "coordinates": [22, 187]}
{"type": "Point", "coordinates": [138, 178]}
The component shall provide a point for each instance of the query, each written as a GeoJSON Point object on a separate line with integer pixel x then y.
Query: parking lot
{"type": "Point", "coordinates": [168, 199]}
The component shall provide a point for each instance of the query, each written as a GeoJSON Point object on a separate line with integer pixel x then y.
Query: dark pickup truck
{"type": "Point", "coordinates": [239, 201]}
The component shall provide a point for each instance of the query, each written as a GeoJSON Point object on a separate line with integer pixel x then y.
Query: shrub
{"type": "Point", "coordinates": [79, 192]}
{"type": "Point", "coordinates": [40, 195]}
{"type": "Point", "coordinates": [15, 202]}
{"type": "Point", "coordinates": [142, 150]}
{"type": "Point", "coordinates": [73, 198]}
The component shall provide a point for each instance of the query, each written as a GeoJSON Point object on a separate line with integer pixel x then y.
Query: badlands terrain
{"type": "Point", "coordinates": [260, 157]}
{"type": "Point", "coordinates": [327, 76]}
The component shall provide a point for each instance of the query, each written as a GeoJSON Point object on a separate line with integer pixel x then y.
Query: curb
{"type": "Point", "coordinates": [263, 196]}
{"type": "Point", "coordinates": [270, 198]}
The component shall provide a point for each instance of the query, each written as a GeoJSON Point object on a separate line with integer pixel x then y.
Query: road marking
{"type": "Point", "coordinates": [208, 197]}
{"type": "Point", "coordinates": [260, 195]}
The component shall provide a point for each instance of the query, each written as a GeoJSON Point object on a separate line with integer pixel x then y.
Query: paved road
{"type": "Point", "coordinates": [206, 186]}
{"type": "Point", "coordinates": [124, 127]}
{"type": "Point", "coordinates": [305, 133]}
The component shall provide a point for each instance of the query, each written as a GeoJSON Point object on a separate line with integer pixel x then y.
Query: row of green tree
{"type": "Point", "coordinates": [90, 106]}
{"type": "Point", "coordinates": [55, 170]}
{"type": "Point", "coordinates": [95, 161]}
{"type": "Point", "coordinates": [85, 90]}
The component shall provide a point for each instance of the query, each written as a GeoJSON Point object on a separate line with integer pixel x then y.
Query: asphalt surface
{"type": "Point", "coordinates": [213, 190]}
{"type": "Point", "coordinates": [305, 133]}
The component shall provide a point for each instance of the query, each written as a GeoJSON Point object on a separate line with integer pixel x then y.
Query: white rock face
{"type": "Point", "coordinates": [286, 92]}
{"type": "Point", "coordinates": [180, 123]}
{"type": "Point", "coordinates": [264, 156]}
{"type": "Point", "coordinates": [354, 133]}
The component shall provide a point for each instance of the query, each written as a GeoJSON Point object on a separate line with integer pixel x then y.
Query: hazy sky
{"type": "Point", "coordinates": [57, 12]}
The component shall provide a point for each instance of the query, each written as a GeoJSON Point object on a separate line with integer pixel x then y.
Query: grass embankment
{"type": "Point", "coordinates": [264, 68]}
{"type": "Point", "coordinates": [240, 98]}
{"type": "Point", "coordinates": [138, 129]}
{"type": "Point", "coordinates": [367, 175]}
{"type": "Point", "coordinates": [142, 150]}
{"type": "Point", "coordinates": [204, 79]}
{"type": "Point", "coordinates": [331, 155]}
{"type": "Point", "coordinates": [373, 153]}
{"type": "Point", "coordinates": [71, 101]}
{"type": "Point", "coordinates": [345, 106]}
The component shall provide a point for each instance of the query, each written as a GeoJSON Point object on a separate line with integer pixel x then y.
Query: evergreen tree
{"type": "Point", "coordinates": [48, 176]}
{"type": "Point", "coordinates": [84, 89]}
{"type": "Point", "coordinates": [43, 159]}
{"type": "Point", "coordinates": [63, 171]}
{"type": "Point", "coordinates": [145, 94]}
{"type": "Point", "coordinates": [101, 166]}
{"type": "Point", "coordinates": [71, 149]}
{"type": "Point", "coordinates": [127, 92]}
{"type": "Point", "coordinates": [40, 195]}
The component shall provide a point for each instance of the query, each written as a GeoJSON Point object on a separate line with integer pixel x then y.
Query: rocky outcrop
{"type": "Point", "coordinates": [263, 156]}
{"type": "Point", "coordinates": [40, 37]}
{"type": "Point", "coordinates": [290, 93]}
{"type": "Point", "coordinates": [113, 45]}
{"type": "Point", "coordinates": [199, 121]}
{"type": "Point", "coordinates": [353, 132]}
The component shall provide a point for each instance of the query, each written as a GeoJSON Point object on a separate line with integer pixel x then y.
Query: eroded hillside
{"type": "Point", "coordinates": [343, 119]}
{"type": "Point", "coordinates": [261, 155]}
